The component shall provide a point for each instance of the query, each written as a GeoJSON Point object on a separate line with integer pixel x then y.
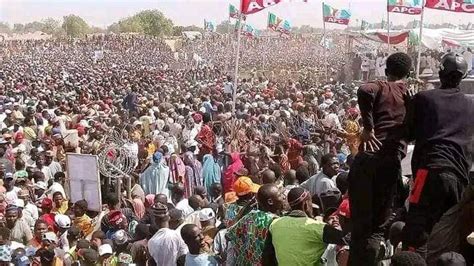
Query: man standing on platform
{"type": "Point", "coordinates": [440, 122]}
{"type": "Point", "coordinates": [376, 168]}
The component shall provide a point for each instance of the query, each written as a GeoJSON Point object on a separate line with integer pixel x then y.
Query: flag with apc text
{"type": "Point", "coordinates": [410, 7]}
{"type": "Point", "coordinates": [254, 6]}
{"type": "Point", "coordinates": [338, 16]}
{"type": "Point", "coordinates": [463, 6]}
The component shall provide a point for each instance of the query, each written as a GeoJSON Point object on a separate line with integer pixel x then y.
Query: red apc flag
{"type": "Point", "coordinates": [254, 6]}
{"type": "Point", "coordinates": [464, 6]}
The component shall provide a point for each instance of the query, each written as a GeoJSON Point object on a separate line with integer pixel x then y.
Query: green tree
{"type": "Point", "coordinates": [154, 23]}
{"type": "Point", "coordinates": [224, 27]}
{"type": "Point", "coordinates": [18, 28]}
{"type": "Point", "coordinates": [50, 26]}
{"type": "Point", "coordinates": [33, 26]}
{"type": "Point", "coordinates": [131, 24]}
{"type": "Point", "coordinates": [178, 30]}
{"type": "Point", "coordinates": [95, 29]}
{"type": "Point", "coordinates": [75, 26]}
{"type": "Point", "coordinates": [4, 27]}
{"type": "Point", "coordinates": [114, 27]}
{"type": "Point", "coordinates": [306, 29]}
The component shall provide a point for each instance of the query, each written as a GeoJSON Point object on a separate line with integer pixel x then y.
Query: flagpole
{"type": "Point", "coordinates": [237, 56]}
{"type": "Point", "coordinates": [324, 47]}
{"type": "Point", "coordinates": [229, 42]}
{"type": "Point", "coordinates": [388, 29]}
{"type": "Point", "coordinates": [421, 38]}
{"type": "Point", "coordinates": [263, 55]}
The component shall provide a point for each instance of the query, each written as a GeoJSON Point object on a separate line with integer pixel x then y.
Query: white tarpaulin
{"type": "Point", "coordinates": [383, 37]}
{"type": "Point", "coordinates": [84, 180]}
{"type": "Point", "coordinates": [434, 38]}
{"type": "Point", "coordinates": [192, 35]}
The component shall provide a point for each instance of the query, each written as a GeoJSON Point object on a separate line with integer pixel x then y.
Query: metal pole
{"type": "Point", "coordinates": [263, 55]}
{"type": "Point", "coordinates": [388, 29]}
{"type": "Point", "coordinates": [229, 43]}
{"type": "Point", "coordinates": [228, 29]}
{"type": "Point", "coordinates": [237, 56]}
{"type": "Point", "coordinates": [324, 47]}
{"type": "Point", "coordinates": [421, 38]}
{"type": "Point", "coordinates": [119, 181]}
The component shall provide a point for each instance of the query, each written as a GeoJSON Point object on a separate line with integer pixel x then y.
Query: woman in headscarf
{"type": "Point", "coordinates": [211, 171]}
{"type": "Point", "coordinates": [154, 179]}
{"type": "Point", "coordinates": [149, 200]}
{"type": "Point", "coordinates": [61, 204]}
{"type": "Point", "coordinates": [138, 207]}
{"type": "Point", "coordinates": [177, 169]}
{"type": "Point", "coordinates": [310, 154]}
{"type": "Point", "coordinates": [229, 173]}
{"type": "Point", "coordinates": [193, 173]}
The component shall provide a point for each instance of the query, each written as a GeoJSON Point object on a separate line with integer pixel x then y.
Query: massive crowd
{"type": "Point", "coordinates": [264, 184]}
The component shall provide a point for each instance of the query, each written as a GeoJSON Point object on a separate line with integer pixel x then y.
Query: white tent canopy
{"type": "Point", "coordinates": [434, 38]}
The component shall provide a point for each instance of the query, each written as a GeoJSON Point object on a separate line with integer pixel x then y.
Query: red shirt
{"type": "Point", "coordinates": [207, 138]}
{"type": "Point", "coordinates": [49, 219]}
{"type": "Point", "coordinates": [294, 153]}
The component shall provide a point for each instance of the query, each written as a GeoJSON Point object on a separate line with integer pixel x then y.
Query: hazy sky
{"type": "Point", "coordinates": [188, 12]}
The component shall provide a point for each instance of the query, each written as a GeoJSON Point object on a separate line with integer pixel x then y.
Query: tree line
{"type": "Point", "coordinates": [150, 22]}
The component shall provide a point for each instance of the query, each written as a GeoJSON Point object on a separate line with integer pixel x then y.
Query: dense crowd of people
{"type": "Point", "coordinates": [297, 171]}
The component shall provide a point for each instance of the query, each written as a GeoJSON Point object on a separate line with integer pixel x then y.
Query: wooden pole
{"type": "Point", "coordinates": [237, 56]}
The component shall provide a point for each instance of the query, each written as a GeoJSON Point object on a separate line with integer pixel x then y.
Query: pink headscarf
{"type": "Point", "coordinates": [177, 169]}
{"type": "Point", "coordinates": [138, 207]}
{"type": "Point", "coordinates": [229, 174]}
{"type": "Point", "coordinates": [149, 200]}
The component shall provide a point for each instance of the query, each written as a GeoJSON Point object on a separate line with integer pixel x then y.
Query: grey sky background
{"type": "Point", "coordinates": [101, 13]}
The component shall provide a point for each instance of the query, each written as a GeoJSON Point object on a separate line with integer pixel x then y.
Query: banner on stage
{"type": "Point", "coordinates": [254, 6]}
{"type": "Point", "coordinates": [464, 6]}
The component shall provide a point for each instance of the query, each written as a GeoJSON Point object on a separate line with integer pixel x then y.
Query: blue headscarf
{"type": "Point", "coordinates": [157, 157]}
{"type": "Point", "coordinates": [211, 172]}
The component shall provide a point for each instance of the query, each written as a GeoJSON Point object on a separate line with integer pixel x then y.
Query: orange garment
{"type": "Point", "coordinates": [352, 129]}
{"type": "Point", "coordinates": [84, 223]}
{"type": "Point", "coordinates": [151, 149]}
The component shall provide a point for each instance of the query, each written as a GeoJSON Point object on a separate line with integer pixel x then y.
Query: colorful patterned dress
{"type": "Point", "coordinates": [248, 237]}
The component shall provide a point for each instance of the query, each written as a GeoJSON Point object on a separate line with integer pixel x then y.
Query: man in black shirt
{"type": "Point", "coordinates": [376, 168]}
{"type": "Point", "coordinates": [130, 101]}
{"type": "Point", "coordinates": [441, 123]}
